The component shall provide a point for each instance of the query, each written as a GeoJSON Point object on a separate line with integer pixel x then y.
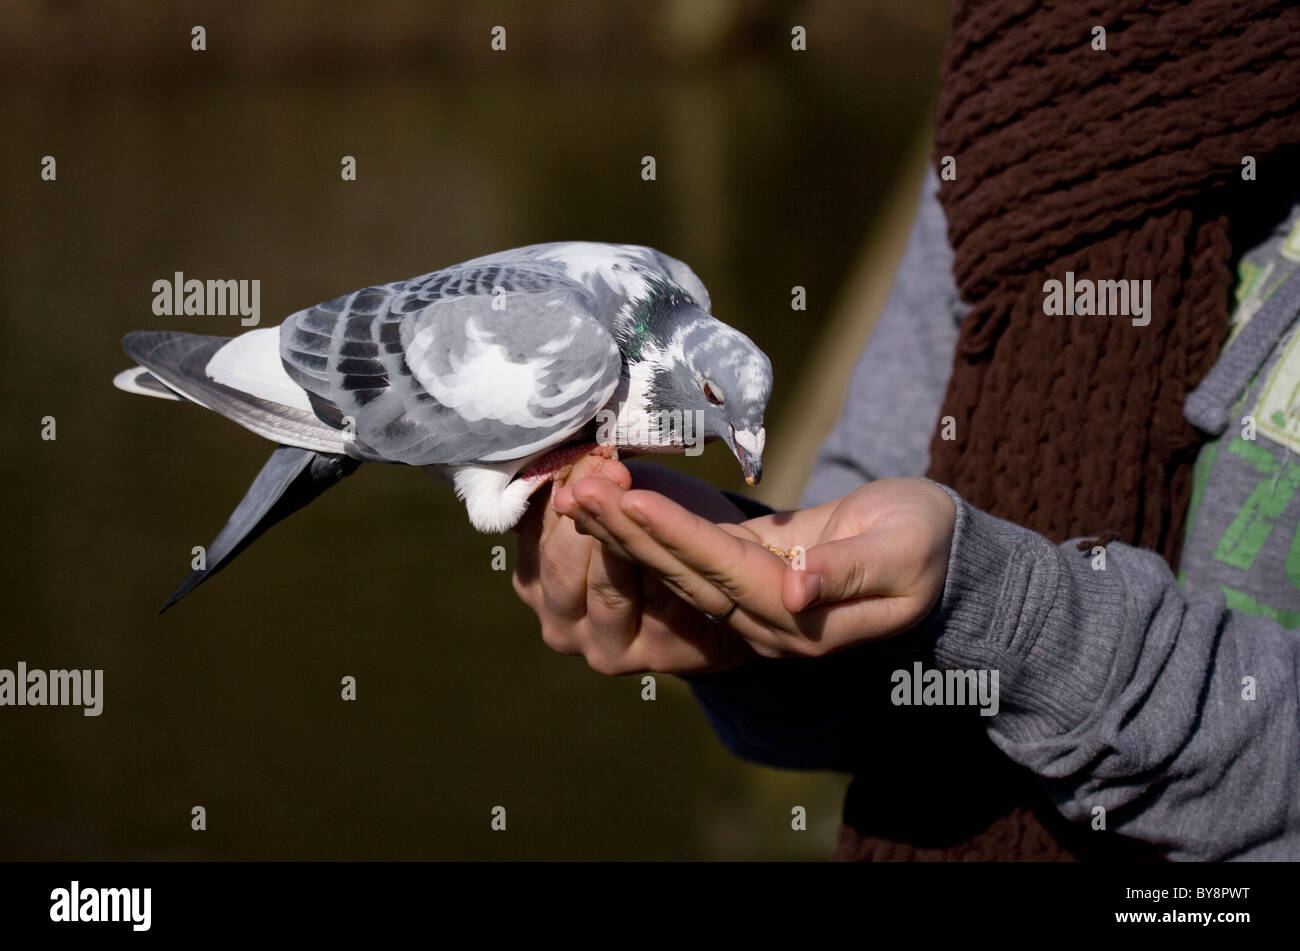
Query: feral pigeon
{"type": "Point", "coordinates": [496, 373]}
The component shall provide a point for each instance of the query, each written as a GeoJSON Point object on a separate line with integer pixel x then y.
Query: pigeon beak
{"type": "Point", "coordinates": [748, 447]}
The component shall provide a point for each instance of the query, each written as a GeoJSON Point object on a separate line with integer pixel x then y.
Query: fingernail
{"type": "Point", "coordinates": [810, 588]}
{"type": "Point", "coordinates": [562, 499]}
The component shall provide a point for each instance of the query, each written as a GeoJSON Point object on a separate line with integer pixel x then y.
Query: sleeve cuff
{"type": "Point", "coordinates": [1039, 615]}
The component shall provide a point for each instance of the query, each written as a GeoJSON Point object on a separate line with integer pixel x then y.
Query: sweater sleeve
{"type": "Point", "coordinates": [1177, 717]}
{"type": "Point", "coordinates": [1171, 716]}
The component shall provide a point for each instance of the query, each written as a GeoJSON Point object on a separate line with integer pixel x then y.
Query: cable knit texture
{"type": "Point", "coordinates": [1115, 164]}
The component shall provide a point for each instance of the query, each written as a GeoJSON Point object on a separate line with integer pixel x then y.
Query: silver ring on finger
{"type": "Point", "coordinates": [719, 618]}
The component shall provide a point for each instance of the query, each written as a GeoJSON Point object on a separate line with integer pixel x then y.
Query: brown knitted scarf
{"type": "Point", "coordinates": [1119, 164]}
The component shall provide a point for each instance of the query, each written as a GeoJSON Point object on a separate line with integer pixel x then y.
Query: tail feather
{"type": "Point", "coordinates": [141, 381]}
{"type": "Point", "coordinates": [179, 361]}
{"type": "Point", "coordinates": [291, 478]}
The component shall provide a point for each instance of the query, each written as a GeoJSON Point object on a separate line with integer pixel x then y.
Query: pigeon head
{"type": "Point", "coordinates": [707, 381]}
{"type": "Point", "coordinates": [735, 379]}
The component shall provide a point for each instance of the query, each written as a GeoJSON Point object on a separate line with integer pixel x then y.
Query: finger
{"type": "Point", "coordinates": [530, 533]}
{"type": "Point", "coordinates": [542, 508]}
{"type": "Point", "coordinates": [551, 554]}
{"type": "Point", "coordinates": [825, 627]}
{"type": "Point", "coordinates": [757, 579]}
{"type": "Point", "coordinates": [613, 595]}
{"type": "Point", "coordinates": [602, 503]}
{"type": "Point", "coordinates": [586, 523]}
{"type": "Point", "coordinates": [853, 589]}
{"type": "Point", "coordinates": [717, 557]}
{"type": "Point", "coordinates": [864, 565]}
{"type": "Point", "coordinates": [698, 496]}
{"type": "Point", "coordinates": [674, 637]}
{"type": "Point", "coordinates": [747, 573]}
{"type": "Point", "coordinates": [562, 571]}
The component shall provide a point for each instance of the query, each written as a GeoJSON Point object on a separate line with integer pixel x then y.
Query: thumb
{"type": "Point", "coordinates": [841, 570]}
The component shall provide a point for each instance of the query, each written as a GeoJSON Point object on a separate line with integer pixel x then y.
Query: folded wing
{"type": "Point", "coordinates": [473, 364]}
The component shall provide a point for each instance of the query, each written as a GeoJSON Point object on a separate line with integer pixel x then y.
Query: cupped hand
{"type": "Point", "coordinates": [592, 601]}
{"type": "Point", "coordinates": [866, 566]}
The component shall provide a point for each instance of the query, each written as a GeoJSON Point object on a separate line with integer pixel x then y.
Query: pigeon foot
{"type": "Point", "coordinates": [556, 465]}
{"type": "Point", "coordinates": [496, 498]}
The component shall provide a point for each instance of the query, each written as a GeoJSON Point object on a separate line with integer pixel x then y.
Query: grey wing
{"type": "Point", "coordinates": [441, 370]}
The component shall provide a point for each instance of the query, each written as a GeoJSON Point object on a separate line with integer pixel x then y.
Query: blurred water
{"type": "Point", "coordinates": [767, 177]}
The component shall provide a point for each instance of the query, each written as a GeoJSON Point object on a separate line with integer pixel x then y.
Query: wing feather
{"type": "Point", "coordinates": [473, 364]}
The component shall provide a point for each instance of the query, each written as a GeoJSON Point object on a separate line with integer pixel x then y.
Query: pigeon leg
{"type": "Point", "coordinates": [556, 464]}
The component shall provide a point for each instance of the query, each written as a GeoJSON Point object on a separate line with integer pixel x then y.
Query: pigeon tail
{"type": "Point", "coordinates": [290, 479]}
{"type": "Point", "coordinates": [180, 362]}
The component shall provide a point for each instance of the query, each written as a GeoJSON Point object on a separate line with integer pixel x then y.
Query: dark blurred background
{"type": "Point", "coordinates": [774, 168]}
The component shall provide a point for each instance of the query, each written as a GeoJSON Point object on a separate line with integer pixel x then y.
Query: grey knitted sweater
{"type": "Point", "coordinates": [1169, 706]}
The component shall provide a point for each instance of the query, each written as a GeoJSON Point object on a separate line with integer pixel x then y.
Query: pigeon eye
{"type": "Point", "coordinates": [712, 393]}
